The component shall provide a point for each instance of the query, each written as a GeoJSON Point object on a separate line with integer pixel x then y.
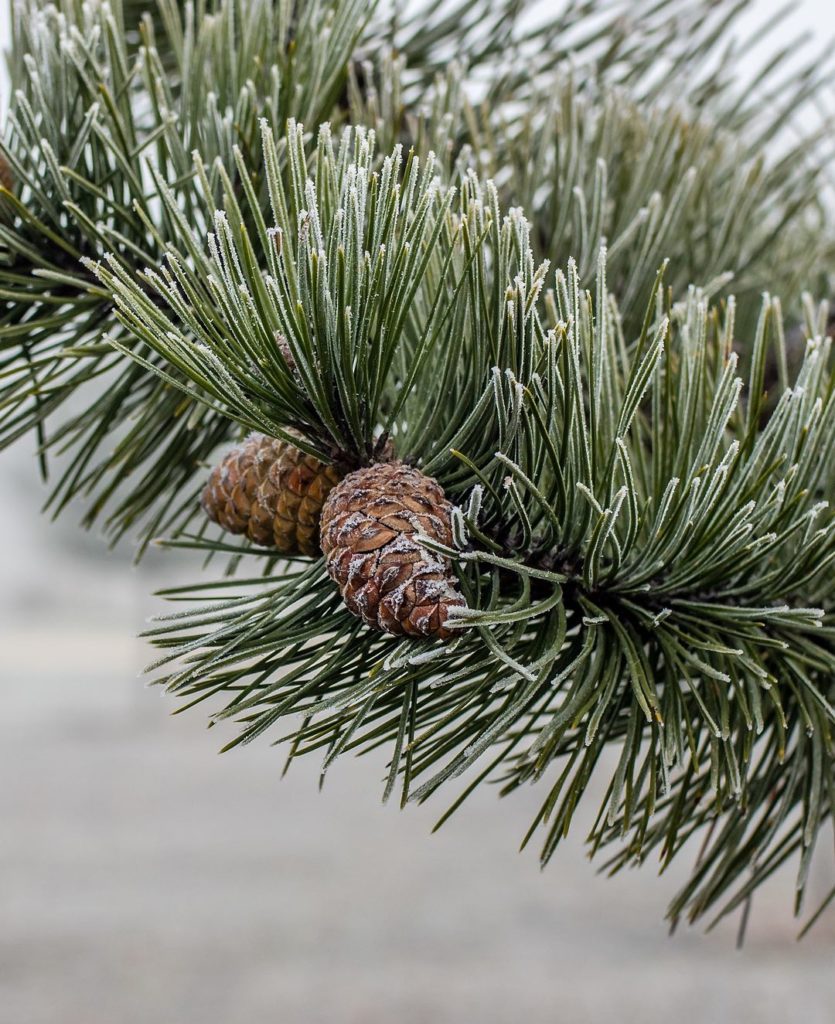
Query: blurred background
{"type": "Point", "coordinates": [144, 878]}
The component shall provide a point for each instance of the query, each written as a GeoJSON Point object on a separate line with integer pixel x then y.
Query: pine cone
{"type": "Point", "coordinates": [271, 491]}
{"type": "Point", "coordinates": [6, 176]}
{"type": "Point", "coordinates": [286, 352]}
{"type": "Point", "coordinates": [385, 576]}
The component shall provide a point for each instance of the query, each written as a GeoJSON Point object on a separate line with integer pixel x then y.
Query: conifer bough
{"type": "Point", "coordinates": [642, 538]}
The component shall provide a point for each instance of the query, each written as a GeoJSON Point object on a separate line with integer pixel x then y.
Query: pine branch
{"type": "Point", "coordinates": [94, 127]}
{"type": "Point", "coordinates": [591, 165]}
{"type": "Point", "coordinates": [646, 556]}
{"type": "Point", "coordinates": [92, 123]}
{"type": "Point", "coordinates": [643, 529]}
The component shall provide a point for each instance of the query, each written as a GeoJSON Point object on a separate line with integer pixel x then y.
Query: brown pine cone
{"type": "Point", "coordinates": [385, 576]}
{"type": "Point", "coordinates": [271, 491]}
{"type": "Point", "coordinates": [286, 353]}
{"type": "Point", "coordinates": [6, 176]}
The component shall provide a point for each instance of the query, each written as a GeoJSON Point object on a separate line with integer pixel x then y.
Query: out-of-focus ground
{"type": "Point", "coordinates": [144, 878]}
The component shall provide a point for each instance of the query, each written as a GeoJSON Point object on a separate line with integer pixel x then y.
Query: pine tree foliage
{"type": "Point", "coordinates": [519, 272]}
{"type": "Point", "coordinates": [646, 564]}
{"type": "Point", "coordinates": [100, 114]}
{"type": "Point", "coordinates": [579, 165]}
{"type": "Point", "coordinates": [88, 156]}
{"type": "Point", "coordinates": [588, 161]}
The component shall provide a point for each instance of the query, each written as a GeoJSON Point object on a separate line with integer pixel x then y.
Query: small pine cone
{"type": "Point", "coordinates": [6, 176]}
{"type": "Point", "coordinates": [271, 491]}
{"type": "Point", "coordinates": [385, 576]}
{"type": "Point", "coordinates": [286, 352]}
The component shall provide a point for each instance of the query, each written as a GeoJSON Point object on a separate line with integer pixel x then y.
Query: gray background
{"type": "Point", "coordinates": [144, 879]}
